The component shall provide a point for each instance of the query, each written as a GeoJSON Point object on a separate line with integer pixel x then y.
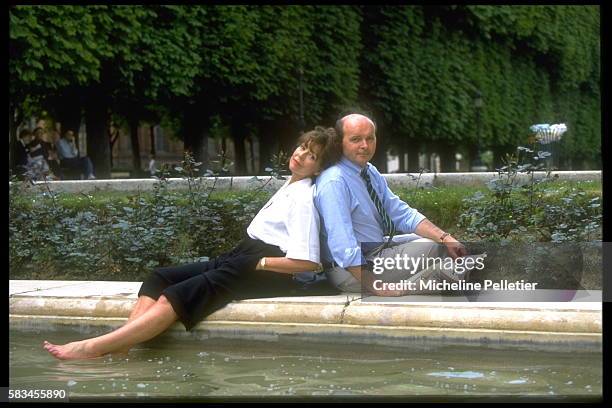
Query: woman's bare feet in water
{"type": "Point", "coordinates": [71, 351]}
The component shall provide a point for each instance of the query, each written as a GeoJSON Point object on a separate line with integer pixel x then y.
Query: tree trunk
{"type": "Point", "coordinates": [113, 137]}
{"type": "Point", "coordinates": [12, 137]}
{"type": "Point", "coordinates": [428, 156]}
{"type": "Point", "coordinates": [401, 153]}
{"type": "Point", "coordinates": [200, 147]}
{"type": "Point", "coordinates": [413, 157]}
{"type": "Point", "coordinates": [98, 145]}
{"type": "Point", "coordinates": [252, 154]}
{"type": "Point", "coordinates": [195, 134]}
{"type": "Point", "coordinates": [472, 150]}
{"type": "Point", "coordinates": [152, 136]}
{"type": "Point", "coordinates": [136, 164]}
{"type": "Point", "coordinates": [286, 134]}
{"type": "Point", "coordinates": [447, 158]}
{"type": "Point", "coordinates": [268, 143]}
{"type": "Point", "coordinates": [239, 133]}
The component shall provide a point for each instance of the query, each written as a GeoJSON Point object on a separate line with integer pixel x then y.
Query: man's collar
{"type": "Point", "coordinates": [352, 166]}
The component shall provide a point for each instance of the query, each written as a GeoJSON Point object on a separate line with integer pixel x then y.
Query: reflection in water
{"type": "Point", "coordinates": [222, 367]}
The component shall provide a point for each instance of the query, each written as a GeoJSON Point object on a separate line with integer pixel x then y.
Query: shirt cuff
{"type": "Point", "coordinates": [351, 257]}
{"type": "Point", "coordinates": [303, 256]}
{"type": "Point", "coordinates": [416, 220]}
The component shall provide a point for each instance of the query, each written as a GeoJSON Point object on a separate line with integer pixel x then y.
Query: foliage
{"type": "Point", "coordinates": [531, 64]}
{"type": "Point", "coordinates": [417, 66]}
{"type": "Point", "coordinates": [531, 209]}
{"type": "Point", "coordinates": [121, 236]}
{"type": "Point", "coordinates": [122, 239]}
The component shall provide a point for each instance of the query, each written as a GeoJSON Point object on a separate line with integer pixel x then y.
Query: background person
{"type": "Point", "coordinates": [21, 158]}
{"type": "Point", "coordinates": [37, 166]}
{"type": "Point", "coordinates": [152, 168]}
{"type": "Point", "coordinates": [49, 151]}
{"type": "Point", "coordinates": [69, 156]}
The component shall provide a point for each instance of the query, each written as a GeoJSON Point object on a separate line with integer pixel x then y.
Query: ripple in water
{"type": "Point", "coordinates": [458, 374]}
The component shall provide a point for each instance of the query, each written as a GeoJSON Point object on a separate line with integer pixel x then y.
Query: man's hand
{"type": "Point", "coordinates": [454, 247]}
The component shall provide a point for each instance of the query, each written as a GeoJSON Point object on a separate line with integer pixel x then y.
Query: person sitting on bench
{"type": "Point", "coordinates": [69, 156]}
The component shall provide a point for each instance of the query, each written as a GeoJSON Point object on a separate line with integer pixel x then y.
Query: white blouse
{"type": "Point", "coordinates": [290, 221]}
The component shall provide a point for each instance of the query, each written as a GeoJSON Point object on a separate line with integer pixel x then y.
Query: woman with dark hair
{"type": "Point", "coordinates": [282, 240]}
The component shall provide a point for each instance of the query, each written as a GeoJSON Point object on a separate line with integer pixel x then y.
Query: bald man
{"type": "Point", "coordinates": [359, 215]}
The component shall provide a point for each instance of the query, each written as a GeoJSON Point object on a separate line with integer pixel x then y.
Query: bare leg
{"type": "Point", "coordinates": [154, 321]}
{"type": "Point", "coordinates": [142, 305]}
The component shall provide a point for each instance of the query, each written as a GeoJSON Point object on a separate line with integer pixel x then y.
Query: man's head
{"type": "Point", "coordinates": [39, 133]}
{"type": "Point", "coordinates": [358, 138]}
{"type": "Point", "coordinates": [69, 135]}
{"type": "Point", "coordinates": [26, 136]}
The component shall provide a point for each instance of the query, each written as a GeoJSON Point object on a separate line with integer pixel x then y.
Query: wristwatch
{"type": "Point", "coordinates": [446, 234]}
{"type": "Point", "coordinates": [262, 263]}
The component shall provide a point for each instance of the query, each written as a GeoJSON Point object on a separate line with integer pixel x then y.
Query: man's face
{"type": "Point", "coordinates": [358, 141]}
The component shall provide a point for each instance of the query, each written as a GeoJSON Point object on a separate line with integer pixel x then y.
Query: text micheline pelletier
{"type": "Point", "coordinates": [460, 266]}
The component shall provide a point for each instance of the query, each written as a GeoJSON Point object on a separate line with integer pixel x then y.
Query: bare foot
{"type": "Point", "coordinates": [71, 351]}
{"type": "Point", "coordinates": [121, 353]}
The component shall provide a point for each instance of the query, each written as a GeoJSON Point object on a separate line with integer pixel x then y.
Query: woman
{"type": "Point", "coordinates": [282, 239]}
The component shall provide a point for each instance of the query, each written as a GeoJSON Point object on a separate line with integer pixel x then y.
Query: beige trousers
{"type": "Point", "coordinates": [421, 247]}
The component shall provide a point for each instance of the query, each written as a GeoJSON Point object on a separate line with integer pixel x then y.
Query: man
{"type": "Point", "coordinates": [21, 158]}
{"type": "Point", "coordinates": [69, 156]}
{"type": "Point", "coordinates": [357, 207]}
{"type": "Point", "coordinates": [30, 158]}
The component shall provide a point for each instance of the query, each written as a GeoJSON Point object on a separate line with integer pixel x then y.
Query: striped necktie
{"type": "Point", "coordinates": [388, 226]}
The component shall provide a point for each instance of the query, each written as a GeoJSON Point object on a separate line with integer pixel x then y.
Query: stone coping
{"type": "Point", "coordinates": [566, 326]}
{"type": "Point", "coordinates": [395, 180]}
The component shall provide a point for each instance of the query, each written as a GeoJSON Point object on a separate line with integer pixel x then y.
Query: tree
{"type": "Point", "coordinates": [50, 48]}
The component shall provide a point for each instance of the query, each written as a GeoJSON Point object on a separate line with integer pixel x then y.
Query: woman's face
{"type": "Point", "coordinates": [305, 161]}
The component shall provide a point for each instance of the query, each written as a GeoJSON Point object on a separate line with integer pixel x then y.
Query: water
{"type": "Point", "coordinates": [170, 366]}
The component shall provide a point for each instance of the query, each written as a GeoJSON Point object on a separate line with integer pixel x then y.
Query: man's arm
{"type": "Point", "coordinates": [428, 229]}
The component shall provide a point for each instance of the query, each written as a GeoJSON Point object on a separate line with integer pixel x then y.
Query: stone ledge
{"type": "Point", "coordinates": [569, 325]}
{"type": "Point", "coordinates": [395, 180]}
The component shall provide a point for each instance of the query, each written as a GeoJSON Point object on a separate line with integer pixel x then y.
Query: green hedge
{"type": "Point", "coordinates": [122, 236]}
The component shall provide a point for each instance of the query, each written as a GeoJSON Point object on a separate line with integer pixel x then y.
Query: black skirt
{"type": "Point", "coordinates": [198, 289]}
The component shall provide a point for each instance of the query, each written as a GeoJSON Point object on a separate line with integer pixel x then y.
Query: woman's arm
{"type": "Point", "coordinates": [282, 264]}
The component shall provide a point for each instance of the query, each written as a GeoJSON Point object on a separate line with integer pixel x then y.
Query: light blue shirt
{"type": "Point", "coordinates": [348, 214]}
{"type": "Point", "coordinates": [66, 150]}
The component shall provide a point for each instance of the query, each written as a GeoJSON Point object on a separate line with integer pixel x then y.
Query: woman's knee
{"type": "Point", "coordinates": [163, 300]}
{"type": "Point", "coordinates": [146, 299]}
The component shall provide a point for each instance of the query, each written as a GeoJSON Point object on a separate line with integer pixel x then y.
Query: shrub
{"type": "Point", "coordinates": [536, 210]}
